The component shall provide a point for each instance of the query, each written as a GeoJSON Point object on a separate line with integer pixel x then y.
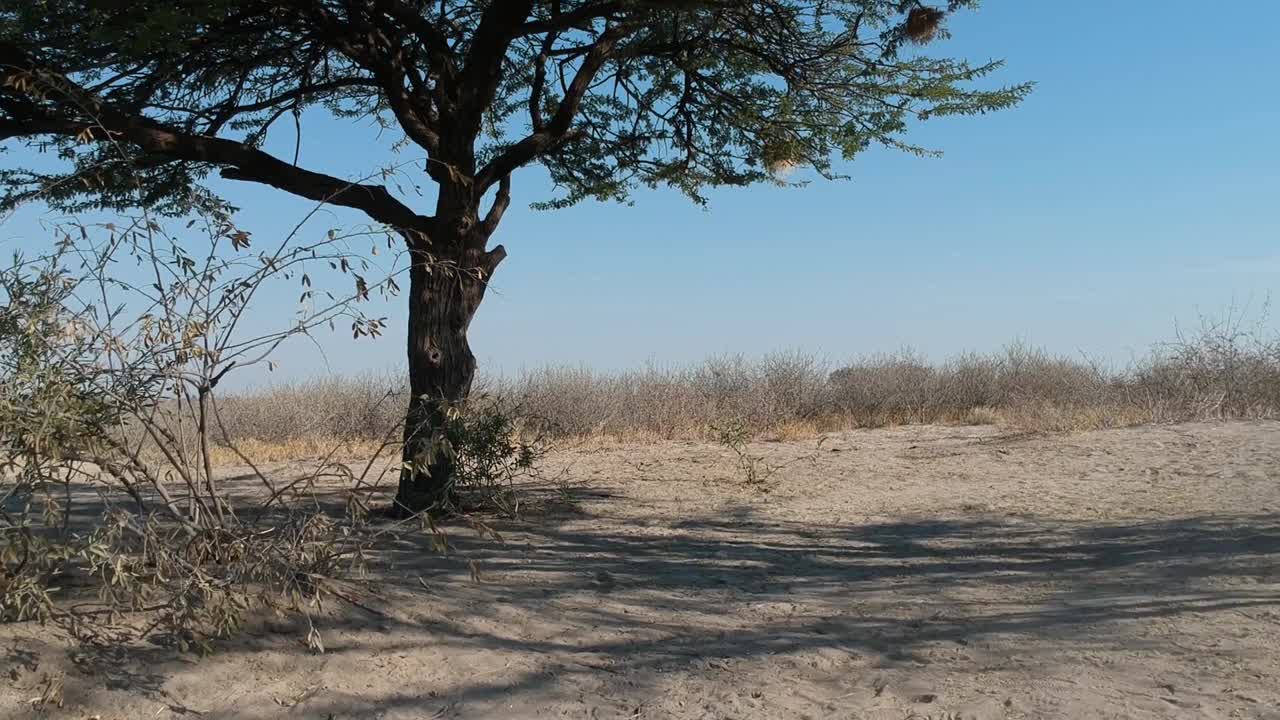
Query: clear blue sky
{"type": "Point", "coordinates": [1137, 186]}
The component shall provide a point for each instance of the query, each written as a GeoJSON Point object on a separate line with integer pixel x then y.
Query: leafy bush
{"type": "Point", "coordinates": [494, 445]}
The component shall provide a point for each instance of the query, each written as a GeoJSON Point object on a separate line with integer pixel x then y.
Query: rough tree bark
{"type": "Point", "coordinates": [448, 276]}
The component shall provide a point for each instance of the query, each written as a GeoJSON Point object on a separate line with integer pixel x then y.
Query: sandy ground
{"type": "Point", "coordinates": [922, 572]}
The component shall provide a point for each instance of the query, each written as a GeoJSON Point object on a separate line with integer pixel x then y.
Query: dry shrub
{"type": "Point", "coordinates": [343, 409]}
{"type": "Point", "coordinates": [886, 389]}
{"type": "Point", "coordinates": [981, 415]}
{"type": "Point", "coordinates": [1223, 370]}
{"type": "Point", "coordinates": [663, 404]}
{"type": "Point", "coordinates": [113, 523]}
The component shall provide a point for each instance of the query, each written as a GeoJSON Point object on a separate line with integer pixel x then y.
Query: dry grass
{"type": "Point", "coordinates": [266, 451]}
{"type": "Point", "coordinates": [362, 408]}
{"type": "Point", "coordinates": [981, 415]}
{"type": "Point", "coordinates": [1219, 372]}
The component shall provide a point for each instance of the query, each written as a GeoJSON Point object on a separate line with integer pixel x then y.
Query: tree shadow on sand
{"type": "Point", "coordinates": [631, 597]}
{"type": "Point", "coordinates": [888, 591]}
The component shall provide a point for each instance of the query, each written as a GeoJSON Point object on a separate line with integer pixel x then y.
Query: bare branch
{"type": "Point", "coordinates": [575, 18]}
{"type": "Point", "coordinates": [500, 203]}
{"type": "Point", "coordinates": [557, 130]}
{"type": "Point", "coordinates": [391, 73]}
{"type": "Point", "coordinates": [482, 72]}
{"type": "Point", "coordinates": [443, 62]}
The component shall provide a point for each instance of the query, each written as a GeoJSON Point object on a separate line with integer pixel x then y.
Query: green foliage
{"type": "Point", "coordinates": [490, 445]}
{"type": "Point", "coordinates": [50, 393]}
{"type": "Point", "coordinates": [688, 95]}
{"type": "Point", "coordinates": [736, 436]}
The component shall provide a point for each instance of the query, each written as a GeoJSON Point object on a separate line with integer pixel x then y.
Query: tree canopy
{"type": "Point", "coordinates": [144, 99]}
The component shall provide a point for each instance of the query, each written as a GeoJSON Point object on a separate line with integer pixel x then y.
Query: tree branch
{"type": "Point", "coordinates": [539, 82]}
{"type": "Point", "coordinates": [557, 130]}
{"type": "Point", "coordinates": [572, 19]}
{"type": "Point", "coordinates": [443, 63]}
{"type": "Point", "coordinates": [390, 76]}
{"type": "Point", "coordinates": [92, 118]}
{"type": "Point", "coordinates": [298, 93]}
{"type": "Point", "coordinates": [500, 203]}
{"type": "Point", "coordinates": [492, 259]}
{"type": "Point", "coordinates": [482, 71]}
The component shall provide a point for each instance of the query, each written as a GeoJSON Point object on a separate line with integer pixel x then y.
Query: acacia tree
{"type": "Point", "coordinates": [143, 100]}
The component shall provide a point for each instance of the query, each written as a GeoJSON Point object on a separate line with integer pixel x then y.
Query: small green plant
{"type": "Point", "coordinates": [490, 444]}
{"type": "Point", "coordinates": [756, 470]}
{"type": "Point", "coordinates": [736, 435]}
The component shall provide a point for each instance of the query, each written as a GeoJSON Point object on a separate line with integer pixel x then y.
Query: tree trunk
{"type": "Point", "coordinates": [443, 297]}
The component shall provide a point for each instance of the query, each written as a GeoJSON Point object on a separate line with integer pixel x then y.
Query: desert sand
{"type": "Point", "coordinates": [913, 572]}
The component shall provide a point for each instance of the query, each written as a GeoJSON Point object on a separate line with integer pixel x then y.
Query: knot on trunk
{"type": "Point", "coordinates": [463, 225]}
